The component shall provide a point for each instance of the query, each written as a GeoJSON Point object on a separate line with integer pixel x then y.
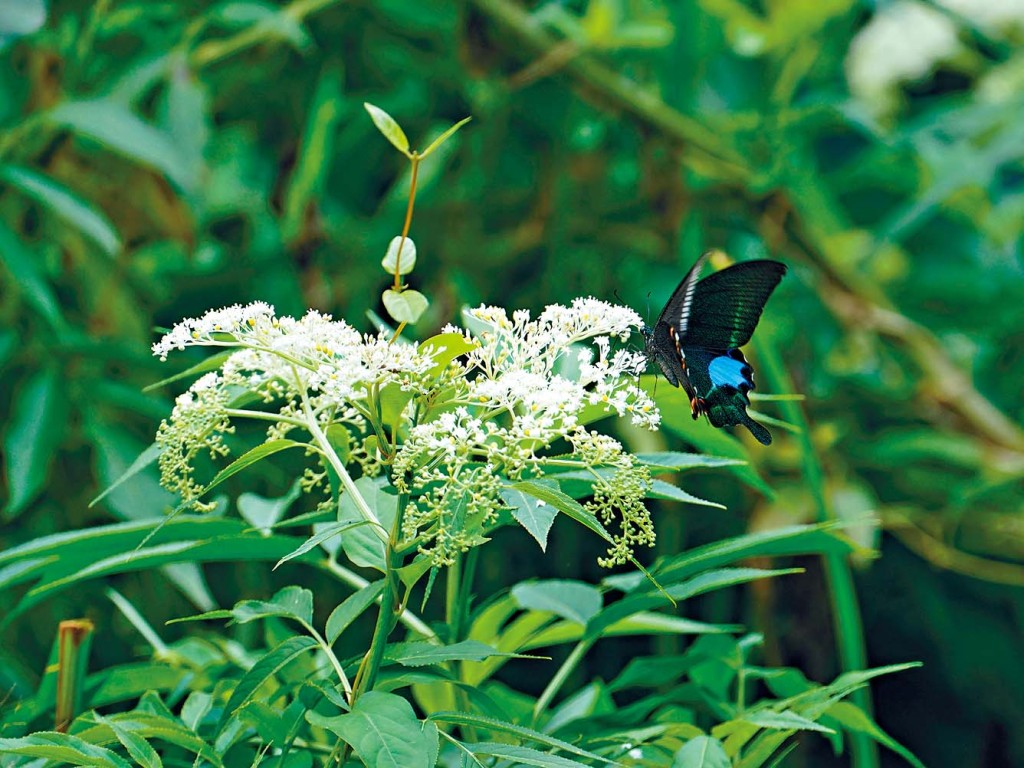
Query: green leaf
{"type": "Point", "coordinates": [140, 750]}
{"type": "Point", "coordinates": [785, 721]}
{"type": "Point", "coordinates": [112, 125]}
{"type": "Point", "coordinates": [362, 546]}
{"type": "Point", "coordinates": [289, 602]}
{"type": "Point", "coordinates": [251, 457]}
{"type": "Point", "coordinates": [675, 461]}
{"type": "Point", "coordinates": [444, 137]}
{"type": "Point", "coordinates": [384, 732]}
{"type": "Point", "coordinates": [350, 609]}
{"type": "Point", "coordinates": [211, 363]}
{"type": "Point", "coordinates": [701, 752]}
{"type": "Point", "coordinates": [705, 582]}
{"type": "Point", "coordinates": [422, 654]}
{"type": "Point", "coordinates": [517, 731]}
{"type": "Point", "coordinates": [788, 540]}
{"type": "Point", "coordinates": [445, 347]}
{"type": "Point", "coordinates": [145, 459]}
{"type": "Point", "coordinates": [404, 261]}
{"type": "Point", "coordinates": [323, 535]}
{"type": "Point", "coordinates": [29, 278]}
{"type": "Point", "coordinates": [66, 205]}
{"type": "Point", "coordinates": [535, 515]}
{"type": "Point", "coordinates": [853, 718]}
{"type": "Point", "coordinates": [521, 755]}
{"type": "Point", "coordinates": [62, 560]}
{"type": "Point", "coordinates": [572, 600]}
{"type": "Point", "coordinates": [36, 428]}
{"type": "Point", "coordinates": [661, 490]}
{"type": "Point", "coordinates": [262, 671]}
{"type": "Point", "coordinates": [386, 125]}
{"type": "Point", "coordinates": [63, 748]}
{"type": "Point", "coordinates": [405, 306]}
{"type": "Point", "coordinates": [262, 512]}
{"type": "Point", "coordinates": [562, 503]}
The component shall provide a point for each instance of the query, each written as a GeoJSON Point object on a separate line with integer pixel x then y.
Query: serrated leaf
{"type": "Point", "coordinates": [562, 503]}
{"type": "Point", "coordinates": [786, 720]}
{"type": "Point", "coordinates": [321, 536]}
{"type": "Point", "coordinates": [853, 718]}
{"type": "Point", "coordinates": [386, 125]}
{"type": "Point", "coordinates": [535, 515]}
{"type": "Point", "coordinates": [289, 602]}
{"type": "Point", "coordinates": [249, 458]}
{"type": "Point", "coordinates": [140, 750]}
{"type": "Point", "coordinates": [521, 755]}
{"type": "Point", "coordinates": [64, 748]}
{"type": "Point", "coordinates": [422, 654]}
{"type": "Point", "coordinates": [264, 669]}
{"type": "Point", "coordinates": [674, 460]}
{"type": "Point", "coordinates": [405, 306]}
{"type": "Point", "coordinates": [384, 732]}
{"type": "Point", "coordinates": [661, 490]}
{"type": "Point", "coordinates": [517, 731]}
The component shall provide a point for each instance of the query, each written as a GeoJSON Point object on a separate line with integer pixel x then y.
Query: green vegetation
{"type": "Point", "coordinates": [850, 595]}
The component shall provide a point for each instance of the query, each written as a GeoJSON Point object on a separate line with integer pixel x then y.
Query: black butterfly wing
{"type": "Point", "coordinates": [679, 306]}
{"type": "Point", "coordinates": [721, 381]}
{"type": "Point", "coordinates": [721, 311]}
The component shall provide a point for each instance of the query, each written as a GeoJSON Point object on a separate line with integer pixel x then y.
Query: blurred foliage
{"type": "Point", "coordinates": [160, 158]}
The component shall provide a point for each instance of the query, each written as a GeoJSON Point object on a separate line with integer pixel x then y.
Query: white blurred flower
{"type": "Point", "coordinates": [906, 40]}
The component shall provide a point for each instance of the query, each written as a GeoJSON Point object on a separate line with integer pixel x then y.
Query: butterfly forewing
{"type": "Point", "coordinates": [724, 307]}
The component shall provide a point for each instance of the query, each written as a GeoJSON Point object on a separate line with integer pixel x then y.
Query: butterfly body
{"type": "Point", "coordinates": [697, 337]}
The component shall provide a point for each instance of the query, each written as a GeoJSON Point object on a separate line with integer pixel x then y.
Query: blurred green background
{"type": "Point", "coordinates": [161, 158]}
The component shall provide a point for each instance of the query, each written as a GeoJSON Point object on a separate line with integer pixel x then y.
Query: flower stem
{"type": "Point", "coordinates": [332, 458]}
{"type": "Point", "coordinates": [415, 160]}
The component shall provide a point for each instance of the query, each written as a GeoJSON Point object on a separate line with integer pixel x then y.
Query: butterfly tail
{"type": "Point", "coordinates": [762, 435]}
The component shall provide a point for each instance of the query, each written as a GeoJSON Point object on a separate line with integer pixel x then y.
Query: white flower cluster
{"type": "Point", "coordinates": [524, 389]}
{"type": "Point", "coordinates": [907, 39]}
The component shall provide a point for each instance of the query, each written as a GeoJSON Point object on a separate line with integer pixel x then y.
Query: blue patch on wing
{"type": "Point", "coordinates": [726, 371]}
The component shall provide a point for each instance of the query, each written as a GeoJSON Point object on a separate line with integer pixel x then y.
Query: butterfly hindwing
{"type": "Point", "coordinates": [721, 381]}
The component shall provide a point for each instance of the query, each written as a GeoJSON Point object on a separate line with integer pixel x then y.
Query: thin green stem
{"type": "Point", "coordinates": [415, 160]}
{"type": "Point", "coordinates": [388, 611]}
{"type": "Point", "coordinates": [569, 666]}
{"type": "Point", "coordinates": [338, 670]}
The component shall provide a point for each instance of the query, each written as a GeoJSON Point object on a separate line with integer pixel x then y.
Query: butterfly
{"type": "Point", "coordinates": [697, 338]}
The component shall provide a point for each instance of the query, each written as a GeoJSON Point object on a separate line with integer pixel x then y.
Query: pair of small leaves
{"type": "Point", "coordinates": [393, 132]}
